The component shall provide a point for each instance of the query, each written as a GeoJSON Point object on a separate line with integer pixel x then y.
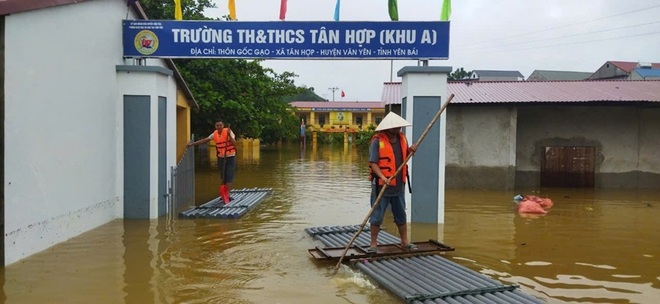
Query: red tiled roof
{"type": "Point", "coordinates": [628, 66]}
{"type": "Point", "coordinates": [545, 91]}
{"type": "Point", "coordinates": [337, 104]}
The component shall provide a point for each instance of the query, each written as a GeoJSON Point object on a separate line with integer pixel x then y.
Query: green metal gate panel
{"type": "Point", "coordinates": [137, 137]}
{"type": "Point", "coordinates": [162, 155]}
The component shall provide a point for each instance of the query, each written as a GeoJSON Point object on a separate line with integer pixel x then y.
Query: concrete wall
{"type": "Point", "coordinates": [63, 123]}
{"type": "Point", "coordinates": [499, 147]}
{"type": "Point", "coordinates": [481, 142]}
{"type": "Point", "coordinates": [536, 76]}
{"type": "Point", "coordinates": [154, 84]}
{"type": "Point", "coordinates": [648, 164]}
{"type": "Point", "coordinates": [625, 138]}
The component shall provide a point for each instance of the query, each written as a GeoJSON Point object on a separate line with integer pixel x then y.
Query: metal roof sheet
{"type": "Point", "coordinates": [391, 93]}
{"type": "Point", "coordinates": [338, 236]}
{"type": "Point", "coordinates": [243, 200]}
{"type": "Point", "coordinates": [498, 73]}
{"type": "Point", "coordinates": [544, 91]}
{"type": "Point", "coordinates": [560, 75]}
{"type": "Point", "coordinates": [422, 279]}
{"type": "Point", "coordinates": [628, 66]}
{"type": "Point", "coordinates": [435, 279]}
{"type": "Point", "coordinates": [648, 72]}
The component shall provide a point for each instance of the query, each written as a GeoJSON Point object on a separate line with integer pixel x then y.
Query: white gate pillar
{"type": "Point", "coordinates": [423, 90]}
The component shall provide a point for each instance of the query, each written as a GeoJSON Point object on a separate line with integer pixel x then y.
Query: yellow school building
{"type": "Point", "coordinates": [344, 116]}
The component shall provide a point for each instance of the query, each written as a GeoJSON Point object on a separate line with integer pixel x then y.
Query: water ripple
{"type": "Point", "coordinates": [595, 246]}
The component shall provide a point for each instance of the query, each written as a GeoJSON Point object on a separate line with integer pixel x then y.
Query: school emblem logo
{"type": "Point", "coordinates": [146, 42]}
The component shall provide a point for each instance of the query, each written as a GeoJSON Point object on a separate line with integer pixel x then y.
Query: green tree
{"type": "Point", "coordinates": [242, 93]}
{"type": "Point", "coordinates": [306, 94]}
{"type": "Point", "coordinates": [363, 138]}
{"type": "Point", "coordinates": [164, 9]}
{"type": "Point", "coordinates": [459, 74]}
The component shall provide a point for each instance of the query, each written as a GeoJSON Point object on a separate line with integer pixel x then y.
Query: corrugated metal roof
{"type": "Point", "coordinates": [243, 200]}
{"type": "Point", "coordinates": [337, 104]}
{"type": "Point", "coordinates": [498, 73]}
{"type": "Point", "coordinates": [546, 91]}
{"type": "Point", "coordinates": [338, 236]}
{"type": "Point", "coordinates": [435, 279]}
{"type": "Point", "coordinates": [628, 66]}
{"type": "Point", "coordinates": [391, 93]}
{"type": "Point", "coordinates": [422, 279]}
{"type": "Point", "coordinates": [648, 72]}
{"type": "Point", "coordinates": [560, 75]}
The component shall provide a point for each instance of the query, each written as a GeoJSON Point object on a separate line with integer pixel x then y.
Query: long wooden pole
{"type": "Point", "coordinates": [380, 195]}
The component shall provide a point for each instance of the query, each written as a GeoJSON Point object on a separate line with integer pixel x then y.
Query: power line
{"type": "Point", "coordinates": [563, 26]}
{"type": "Point", "coordinates": [577, 42]}
{"type": "Point", "coordinates": [564, 36]}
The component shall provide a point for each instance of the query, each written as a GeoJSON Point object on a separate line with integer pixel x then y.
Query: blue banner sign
{"type": "Point", "coordinates": [286, 39]}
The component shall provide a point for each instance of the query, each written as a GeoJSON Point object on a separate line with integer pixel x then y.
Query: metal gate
{"type": "Point", "coordinates": [568, 167]}
{"type": "Point", "coordinates": [182, 185]}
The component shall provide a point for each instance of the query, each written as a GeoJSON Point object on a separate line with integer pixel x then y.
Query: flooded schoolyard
{"type": "Point", "coordinates": [595, 246]}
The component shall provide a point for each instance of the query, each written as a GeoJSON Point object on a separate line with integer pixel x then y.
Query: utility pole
{"type": "Point", "coordinates": [391, 69]}
{"type": "Point", "coordinates": [333, 89]}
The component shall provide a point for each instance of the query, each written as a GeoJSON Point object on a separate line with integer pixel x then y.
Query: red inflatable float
{"type": "Point", "coordinates": [532, 204]}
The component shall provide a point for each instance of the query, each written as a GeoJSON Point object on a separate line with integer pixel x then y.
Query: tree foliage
{"type": "Point", "coordinates": [164, 9]}
{"type": "Point", "coordinates": [363, 138]}
{"type": "Point", "coordinates": [306, 94]}
{"type": "Point", "coordinates": [242, 93]}
{"type": "Point", "coordinates": [459, 74]}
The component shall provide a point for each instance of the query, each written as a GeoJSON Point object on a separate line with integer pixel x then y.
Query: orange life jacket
{"type": "Point", "coordinates": [386, 161]}
{"type": "Point", "coordinates": [223, 144]}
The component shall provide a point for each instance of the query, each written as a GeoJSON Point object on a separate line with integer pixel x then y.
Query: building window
{"type": "Point", "coordinates": [322, 120]}
{"type": "Point", "coordinates": [358, 121]}
{"type": "Point", "coordinates": [378, 119]}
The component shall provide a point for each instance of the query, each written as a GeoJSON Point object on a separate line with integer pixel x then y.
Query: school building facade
{"type": "Point", "coordinates": [325, 116]}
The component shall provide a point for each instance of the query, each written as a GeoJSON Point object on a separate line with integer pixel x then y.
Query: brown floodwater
{"type": "Point", "coordinates": [595, 246]}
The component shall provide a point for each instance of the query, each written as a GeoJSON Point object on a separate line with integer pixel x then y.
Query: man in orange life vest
{"type": "Point", "coordinates": [225, 145]}
{"type": "Point", "coordinates": [388, 149]}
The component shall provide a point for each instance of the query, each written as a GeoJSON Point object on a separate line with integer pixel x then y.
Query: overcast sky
{"type": "Point", "coordinates": [523, 35]}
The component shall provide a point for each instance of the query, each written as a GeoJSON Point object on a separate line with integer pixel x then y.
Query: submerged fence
{"type": "Point", "coordinates": [182, 185]}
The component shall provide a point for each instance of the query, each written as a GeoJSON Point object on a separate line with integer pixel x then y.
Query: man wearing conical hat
{"type": "Point", "coordinates": [388, 149]}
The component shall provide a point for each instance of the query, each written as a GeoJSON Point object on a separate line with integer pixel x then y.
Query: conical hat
{"type": "Point", "coordinates": [392, 121]}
